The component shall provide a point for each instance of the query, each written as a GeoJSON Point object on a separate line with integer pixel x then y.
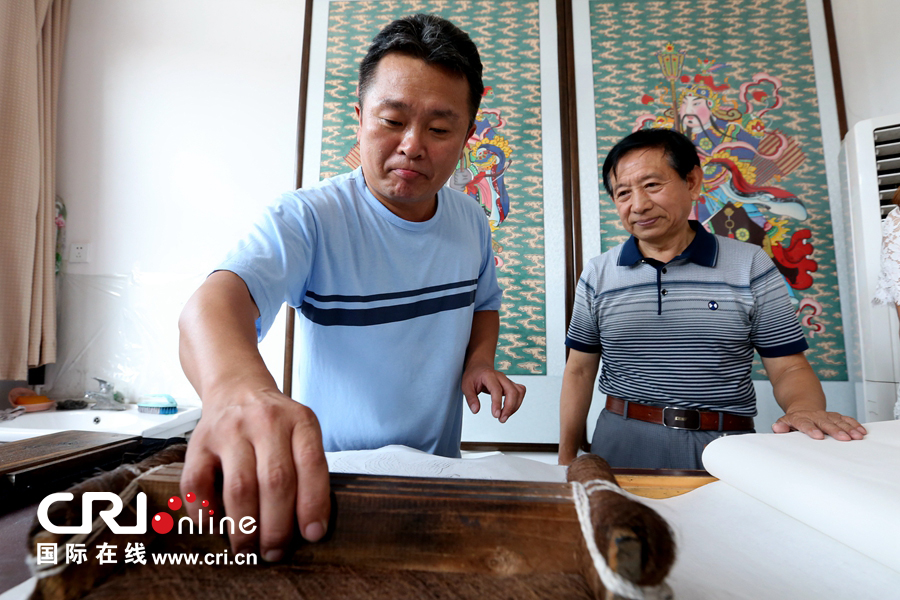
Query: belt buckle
{"type": "Point", "coordinates": [681, 418]}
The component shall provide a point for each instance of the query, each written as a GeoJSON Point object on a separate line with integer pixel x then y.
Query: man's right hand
{"type": "Point", "coordinates": [268, 449]}
{"type": "Point", "coordinates": [575, 402]}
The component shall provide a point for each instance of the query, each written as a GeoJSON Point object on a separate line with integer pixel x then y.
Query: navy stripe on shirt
{"type": "Point", "coordinates": [390, 295]}
{"type": "Point", "coordinates": [361, 317]}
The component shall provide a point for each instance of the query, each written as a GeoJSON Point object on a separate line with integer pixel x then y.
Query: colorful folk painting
{"type": "Point", "coordinates": [502, 166]}
{"type": "Point", "coordinates": [737, 78]}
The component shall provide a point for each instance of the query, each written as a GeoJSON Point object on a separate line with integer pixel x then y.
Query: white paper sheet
{"type": "Point", "coordinates": [847, 490]}
{"type": "Point", "coordinates": [732, 546]}
{"type": "Point", "coordinates": [407, 462]}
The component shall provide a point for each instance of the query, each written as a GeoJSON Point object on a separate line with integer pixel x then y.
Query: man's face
{"type": "Point", "coordinates": [653, 202]}
{"type": "Point", "coordinates": [413, 126]}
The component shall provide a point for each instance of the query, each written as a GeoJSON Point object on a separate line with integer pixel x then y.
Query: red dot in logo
{"type": "Point", "coordinates": [190, 496]}
{"type": "Point", "coordinates": [211, 511]}
{"type": "Point", "coordinates": [174, 503]}
{"type": "Point", "coordinates": [205, 503]}
{"type": "Point", "coordinates": [162, 522]}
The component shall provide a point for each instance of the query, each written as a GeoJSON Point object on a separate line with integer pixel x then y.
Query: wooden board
{"type": "Point", "coordinates": [662, 486]}
{"type": "Point", "coordinates": [475, 535]}
{"type": "Point", "coordinates": [55, 447]}
{"type": "Point", "coordinates": [448, 525]}
{"type": "Point", "coordinates": [32, 466]}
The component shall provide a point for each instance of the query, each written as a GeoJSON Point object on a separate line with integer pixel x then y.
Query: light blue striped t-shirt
{"type": "Point", "coordinates": [385, 308]}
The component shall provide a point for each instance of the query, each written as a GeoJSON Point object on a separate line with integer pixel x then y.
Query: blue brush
{"type": "Point", "coordinates": [159, 404]}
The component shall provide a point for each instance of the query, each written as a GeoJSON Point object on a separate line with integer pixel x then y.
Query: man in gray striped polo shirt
{"type": "Point", "coordinates": [676, 313]}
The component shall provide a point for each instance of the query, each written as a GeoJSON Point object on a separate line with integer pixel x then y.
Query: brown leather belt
{"type": "Point", "coordinates": [679, 418]}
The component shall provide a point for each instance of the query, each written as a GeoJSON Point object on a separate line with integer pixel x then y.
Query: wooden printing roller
{"type": "Point", "coordinates": [491, 529]}
{"type": "Point", "coordinates": [633, 539]}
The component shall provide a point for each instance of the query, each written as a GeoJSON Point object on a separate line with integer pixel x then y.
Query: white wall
{"type": "Point", "coordinates": [867, 34]}
{"type": "Point", "coordinates": [177, 124]}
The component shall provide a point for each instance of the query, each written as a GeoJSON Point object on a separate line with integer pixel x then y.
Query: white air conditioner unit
{"type": "Point", "coordinates": [870, 173]}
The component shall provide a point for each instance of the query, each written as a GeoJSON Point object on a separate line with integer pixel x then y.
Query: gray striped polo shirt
{"type": "Point", "coordinates": [683, 333]}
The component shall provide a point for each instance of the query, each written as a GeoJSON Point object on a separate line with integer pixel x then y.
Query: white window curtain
{"type": "Point", "coordinates": [32, 33]}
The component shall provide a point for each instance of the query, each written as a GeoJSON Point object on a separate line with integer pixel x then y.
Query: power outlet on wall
{"type": "Point", "coordinates": [78, 253]}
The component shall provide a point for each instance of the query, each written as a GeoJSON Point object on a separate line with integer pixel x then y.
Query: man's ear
{"type": "Point", "coordinates": [695, 181]}
{"type": "Point", "coordinates": [358, 119]}
{"type": "Point", "coordinates": [471, 132]}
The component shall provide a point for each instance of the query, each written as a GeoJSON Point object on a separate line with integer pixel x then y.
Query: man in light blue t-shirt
{"type": "Point", "coordinates": [393, 277]}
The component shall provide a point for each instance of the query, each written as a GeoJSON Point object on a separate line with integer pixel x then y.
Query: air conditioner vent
{"type": "Point", "coordinates": [887, 150]}
{"type": "Point", "coordinates": [887, 134]}
{"type": "Point", "coordinates": [887, 162]}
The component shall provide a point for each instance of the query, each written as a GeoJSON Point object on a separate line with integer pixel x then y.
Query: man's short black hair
{"type": "Point", "coordinates": [432, 39]}
{"type": "Point", "coordinates": [678, 149]}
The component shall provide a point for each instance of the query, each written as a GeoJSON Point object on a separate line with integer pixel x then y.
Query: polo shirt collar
{"type": "Point", "coordinates": [703, 250]}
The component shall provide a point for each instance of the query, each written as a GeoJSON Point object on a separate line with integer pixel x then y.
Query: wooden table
{"type": "Point", "coordinates": [516, 536]}
{"type": "Point", "coordinates": [32, 468]}
{"type": "Point", "coordinates": [496, 528]}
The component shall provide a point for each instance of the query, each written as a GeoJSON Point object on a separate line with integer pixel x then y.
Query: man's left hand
{"type": "Point", "coordinates": [817, 423]}
{"type": "Point", "coordinates": [485, 379]}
